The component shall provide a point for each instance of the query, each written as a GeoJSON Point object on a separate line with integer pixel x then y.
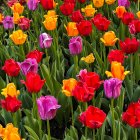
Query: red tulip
{"type": "Point", "coordinates": [84, 27]}
{"type": "Point", "coordinates": [35, 54]}
{"type": "Point", "coordinates": [82, 92]}
{"type": "Point", "coordinates": [76, 16]}
{"type": "Point", "coordinates": [101, 23]}
{"type": "Point", "coordinates": [134, 26]}
{"type": "Point", "coordinates": [93, 117]}
{"type": "Point", "coordinates": [132, 115]}
{"type": "Point", "coordinates": [11, 104]}
{"type": "Point", "coordinates": [24, 23]}
{"type": "Point", "coordinates": [33, 82]}
{"type": "Point", "coordinates": [47, 4]}
{"type": "Point", "coordinates": [67, 8]}
{"type": "Point", "coordinates": [129, 45]}
{"type": "Point", "coordinates": [11, 67]}
{"type": "Point", "coordinates": [116, 55]}
{"type": "Point", "coordinates": [127, 17]}
{"type": "Point", "coordinates": [70, 1]}
{"type": "Point", "coordinates": [81, 1]}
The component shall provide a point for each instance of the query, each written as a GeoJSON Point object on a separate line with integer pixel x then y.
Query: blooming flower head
{"type": "Point", "coordinates": [32, 4]}
{"type": "Point", "coordinates": [134, 26]}
{"type": "Point", "coordinates": [17, 8]}
{"type": "Point", "coordinates": [1, 18]}
{"type": "Point", "coordinates": [10, 90]}
{"type": "Point", "coordinates": [8, 22]}
{"type": "Point", "coordinates": [127, 18]}
{"type": "Point", "coordinates": [16, 18]}
{"type": "Point", "coordinates": [117, 71]}
{"type": "Point", "coordinates": [72, 29]}
{"type": "Point", "coordinates": [124, 3]}
{"type": "Point", "coordinates": [109, 2]}
{"type": "Point", "coordinates": [68, 86]}
{"type": "Point", "coordinates": [109, 38]}
{"type": "Point", "coordinates": [47, 107]}
{"type": "Point", "coordinates": [120, 10]}
{"type": "Point", "coordinates": [98, 3]}
{"type": "Point", "coordinates": [89, 10]}
{"type": "Point", "coordinates": [48, 4]}
{"type": "Point", "coordinates": [18, 37]}
{"type": "Point", "coordinates": [88, 59]}
{"type": "Point", "coordinates": [112, 88]}
{"type": "Point", "coordinates": [138, 14]}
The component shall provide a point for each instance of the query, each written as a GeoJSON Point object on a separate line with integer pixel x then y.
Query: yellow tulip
{"type": "Point", "coordinates": [89, 11]}
{"type": "Point", "coordinates": [98, 3]}
{"type": "Point", "coordinates": [18, 37]}
{"type": "Point", "coordinates": [1, 131]}
{"type": "Point", "coordinates": [120, 10]}
{"type": "Point", "coordinates": [88, 59]}
{"type": "Point", "coordinates": [16, 18]}
{"type": "Point", "coordinates": [17, 8]}
{"type": "Point", "coordinates": [51, 13]}
{"type": "Point", "coordinates": [138, 14]}
{"type": "Point", "coordinates": [68, 86]}
{"type": "Point", "coordinates": [72, 29]}
{"type": "Point", "coordinates": [109, 38]}
{"type": "Point", "coordinates": [1, 17]}
{"type": "Point", "coordinates": [10, 90]}
{"type": "Point", "coordinates": [109, 2]}
{"type": "Point", "coordinates": [117, 71]}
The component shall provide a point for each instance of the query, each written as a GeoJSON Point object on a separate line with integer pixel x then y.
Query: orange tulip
{"type": "Point", "coordinates": [1, 17]}
{"type": "Point", "coordinates": [17, 8]}
{"type": "Point", "coordinates": [98, 3]}
{"type": "Point", "coordinates": [138, 14]}
{"type": "Point", "coordinates": [120, 10]}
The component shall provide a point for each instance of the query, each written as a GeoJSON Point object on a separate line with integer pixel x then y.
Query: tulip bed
{"type": "Point", "coordinates": [69, 70]}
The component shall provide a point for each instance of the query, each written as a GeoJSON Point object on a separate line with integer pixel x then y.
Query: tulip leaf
{"type": "Point", "coordinates": [136, 94]}
{"type": "Point", "coordinates": [2, 84]}
{"type": "Point", "coordinates": [7, 116]}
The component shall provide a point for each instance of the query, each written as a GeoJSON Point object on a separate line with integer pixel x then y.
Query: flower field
{"type": "Point", "coordinates": [70, 69]}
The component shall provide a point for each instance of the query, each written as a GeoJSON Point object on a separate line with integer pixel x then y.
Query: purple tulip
{"type": "Point", "coordinates": [75, 45]}
{"type": "Point", "coordinates": [112, 88]}
{"type": "Point", "coordinates": [124, 3]}
{"type": "Point", "coordinates": [47, 107]}
{"type": "Point", "coordinates": [32, 4]}
{"type": "Point", "coordinates": [8, 22]}
{"type": "Point", "coordinates": [45, 40]}
{"type": "Point", "coordinates": [29, 65]}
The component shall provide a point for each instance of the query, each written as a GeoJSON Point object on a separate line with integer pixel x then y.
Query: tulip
{"type": "Point", "coordinates": [75, 45]}
{"type": "Point", "coordinates": [93, 117]}
{"type": "Point", "coordinates": [47, 107]}
{"type": "Point", "coordinates": [29, 65]}
{"type": "Point", "coordinates": [48, 4]}
{"type": "Point", "coordinates": [109, 2]}
{"type": "Point", "coordinates": [45, 40]}
{"type": "Point", "coordinates": [11, 67]}
{"type": "Point", "coordinates": [68, 86]}
{"type": "Point", "coordinates": [16, 18]}
{"type": "Point", "coordinates": [117, 71]}
{"type": "Point", "coordinates": [88, 59]}
{"type": "Point", "coordinates": [120, 10]}
{"type": "Point", "coordinates": [32, 4]}
{"type": "Point", "coordinates": [81, 1]}
{"type": "Point", "coordinates": [124, 3]}
{"type": "Point", "coordinates": [89, 10]}
{"type": "Point", "coordinates": [138, 14]}
{"type": "Point", "coordinates": [112, 88]}
{"type": "Point", "coordinates": [18, 37]}
{"type": "Point", "coordinates": [98, 3]}
{"type": "Point", "coordinates": [1, 18]}
{"type": "Point", "coordinates": [33, 82]}
{"type": "Point", "coordinates": [17, 8]}
{"type": "Point", "coordinates": [134, 26]}
{"type": "Point", "coordinates": [127, 17]}
{"type": "Point", "coordinates": [10, 90]}
{"type": "Point", "coordinates": [8, 22]}
{"type": "Point", "coordinates": [72, 29]}
{"type": "Point", "coordinates": [10, 3]}
{"type": "Point", "coordinates": [109, 38]}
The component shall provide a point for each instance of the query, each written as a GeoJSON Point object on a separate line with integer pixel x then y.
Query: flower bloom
{"type": "Point", "coordinates": [68, 86]}
{"type": "Point", "coordinates": [47, 107]}
{"type": "Point", "coordinates": [82, 92]}
{"type": "Point", "coordinates": [116, 55]}
{"type": "Point", "coordinates": [132, 115]}
{"type": "Point", "coordinates": [89, 10]}
{"type": "Point", "coordinates": [10, 90]}
{"type": "Point", "coordinates": [76, 16]}
{"type": "Point", "coordinates": [88, 59]}
{"type": "Point", "coordinates": [81, 1]}
{"type": "Point", "coordinates": [8, 22]}
{"type": "Point", "coordinates": [17, 8]}
{"type": "Point", "coordinates": [109, 38]}
{"type": "Point", "coordinates": [75, 45]}
{"type": "Point", "coordinates": [124, 3]}
{"type": "Point", "coordinates": [117, 71]}
{"type": "Point", "coordinates": [18, 37]}
{"type": "Point", "coordinates": [98, 3]}
{"type": "Point", "coordinates": [16, 18]}
{"type": "Point", "coordinates": [11, 104]}
{"type": "Point", "coordinates": [32, 4]}
{"type": "Point", "coordinates": [93, 117]}
{"type": "Point", "coordinates": [1, 18]}
{"type": "Point", "coordinates": [11, 67]}
{"type": "Point", "coordinates": [127, 17]}
{"type": "Point", "coordinates": [10, 3]}
{"type": "Point", "coordinates": [67, 8]}
{"type": "Point", "coordinates": [109, 2]}
{"type": "Point", "coordinates": [33, 82]}
{"type": "Point", "coordinates": [36, 54]}
{"type": "Point", "coordinates": [138, 14]}
{"type": "Point", "coordinates": [24, 23]}
{"type": "Point", "coordinates": [129, 46]}
{"type": "Point", "coordinates": [112, 88]}
{"type": "Point", "coordinates": [101, 23]}
{"type": "Point", "coordinates": [84, 27]}
{"type": "Point", "coordinates": [72, 29]}
{"type": "Point", "coordinates": [9, 132]}
{"type": "Point", "coordinates": [120, 10]}
{"type": "Point", "coordinates": [134, 26]}
{"type": "Point", "coordinates": [45, 40]}
{"type": "Point", "coordinates": [29, 65]}
{"type": "Point", "coordinates": [48, 4]}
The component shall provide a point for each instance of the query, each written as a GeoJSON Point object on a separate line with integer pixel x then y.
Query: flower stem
{"type": "Point", "coordinates": [135, 133]}
{"type": "Point", "coordinates": [94, 136]}
{"type": "Point", "coordinates": [48, 129]}
{"type": "Point", "coordinates": [131, 69]}
{"type": "Point", "coordinates": [85, 107]}
{"type": "Point", "coordinates": [72, 112]}
{"type": "Point", "coordinates": [75, 65]}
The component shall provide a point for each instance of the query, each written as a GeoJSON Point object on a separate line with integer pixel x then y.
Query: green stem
{"type": "Point", "coordinates": [135, 134]}
{"type": "Point", "coordinates": [34, 97]}
{"type": "Point", "coordinates": [86, 129]}
{"type": "Point", "coordinates": [138, 5]}
{"type": "Point", "coordinates": [113, 119]}
{"type": "Point", "coordinates": [94, 136]}
{"type": "Point", "coordinates": [72, 112]}
{"type": "Point", "coordinates": [75, 65]}
{"type": "Point", "coordinates": [48, 129]}
{"type": "Point", "coordinates": [131, 70]}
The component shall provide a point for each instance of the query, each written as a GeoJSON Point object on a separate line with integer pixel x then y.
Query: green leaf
{"type": "Point", "coordinates": [136, 94]}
